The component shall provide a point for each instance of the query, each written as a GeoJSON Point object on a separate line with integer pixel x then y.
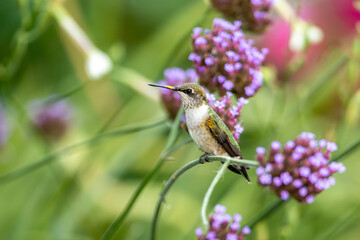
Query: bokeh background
{"type": "Point", "coordinates": [79, 192]}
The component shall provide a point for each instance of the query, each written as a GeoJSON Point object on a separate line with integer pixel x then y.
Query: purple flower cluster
{"type": "Point", "coordinates": [228, 112]}
{"type": "Point", "coordinates": [51, 119]}
{"type": "Point", "coordinates": [175, 77]}
{"type": "Point", "coordinates": [225, 60]}
{"type": "Point", "coordinates": [253, 13]}
{"type": "Point", "coordinates": [300, 170]}
{"type": "Point", "coordinates": [3, 127]}
{"type": "Point", "coordinates": [223, 227]}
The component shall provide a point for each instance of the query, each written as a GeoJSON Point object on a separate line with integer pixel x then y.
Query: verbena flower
{"type": "Point", "coordinates": [51, 119]}
{"type": "Point", "coordinates": [225, 60]}
{"type": "Point", "coordinates": [3, 127]}
{"type": "Point", "coordinates": [229, 112]}
{"type": "Point", "coordinates": [300, 169]}
{"type": "Point", "coordinates": [253, 13]}
{"type": "Point", "coordinates": [223, 227]}
{"type": "Point", "coordinates": [175, 77]}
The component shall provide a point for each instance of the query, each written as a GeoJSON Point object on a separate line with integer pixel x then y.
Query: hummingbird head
{"type": "Point", "coordinates": [192, 94]}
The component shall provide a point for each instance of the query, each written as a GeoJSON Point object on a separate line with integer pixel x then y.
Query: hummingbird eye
{"type": "Point", "coordinates": [188, 91]}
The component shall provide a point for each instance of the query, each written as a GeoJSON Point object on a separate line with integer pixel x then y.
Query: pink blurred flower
{"type": "Point", "coordinates": [335, 18]}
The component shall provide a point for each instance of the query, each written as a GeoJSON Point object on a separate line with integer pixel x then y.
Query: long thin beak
{"type": "Point", "coordinates": [163, 86]}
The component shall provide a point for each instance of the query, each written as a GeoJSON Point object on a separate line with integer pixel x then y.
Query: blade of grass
{"type": "Point", "coordinates": [182, 170]}
{"type": "Point", "coordinates": [173, 135]}
{"type": "Point", "coordinates": [180, 42]}
{"type": "Point", "coordinates": [339, 226]}
{"type": "Point", "coordinates": [52, 156]}
{"type": "Point", "coordinates": [317, 85]}
{"type": "Point", "coordinates": [265, 213]}
{"type": "Point", "coordinates": [68, 93]}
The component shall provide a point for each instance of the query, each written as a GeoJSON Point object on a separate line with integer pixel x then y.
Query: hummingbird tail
{"type": "Point", "coordinates": [240, 169]}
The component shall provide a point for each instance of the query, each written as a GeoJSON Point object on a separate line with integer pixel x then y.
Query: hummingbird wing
{"type": "Point", "coordinates": [222, 137]}
{"type": "Point", "coordinates": [227, 141]}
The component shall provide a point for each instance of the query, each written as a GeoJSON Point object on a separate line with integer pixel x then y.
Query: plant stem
{"type": "Point", "coordinates": [210, 190]}
{"type": "Point", "coordinates": [173, 135]}
{"type": "Point", "coordinates": [182, 170]}
{"type": "Point", "coordinates": [163, 193]}
{"type": "Point", "coordinates": [313, 88]}
{"type": "Point", "coordinates": [52, 156]}
{"type": "Point", "coordinates": [68, 93]}
{"type": "Point", "coordinates": [33, 23]}
{"type": "Point", "coordinates": [176, 49]}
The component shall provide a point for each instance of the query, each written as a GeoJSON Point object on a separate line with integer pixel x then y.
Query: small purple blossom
{"type": "Point", "coordinates": [332, 147]}
{"type": "Point", "coordinates": [226, 61]}
{"type": "Point", "coordinates": [268, 167]}
{"type": "Point", "coordinates": [260, 150]}
{"type": "Point", "coordinates": [197, 30]}
{"type": "Point", "coordinates": [297, 183]}
{"type": "Point", "coordinates": [223, 227]}
{"type": "Point", "coordinates": [265, 179]}
{"type": "Point", "coordinates": [337, 167]}
{"type": "Point", "coordinates": [209, 61]}
{"type": "Point", "coordinates": [325, 172]}
{"type": "Point", "coordinates": [307, 135]}
{"type": "Point", "coordinates": [322, 143]}
{"type": "Point", "coordinates": [310, 199]}
{"type": "Point", "coordinates": [275, 146]}
{"type": "Point", "coordinates": [51, 119]}
{"type": "Point", "coordinates": [199, 232]}
{"type": "Point", "coordinates": [286, 178]}
{"type": "Point", "coordinates": [246, 230]}
{"type": "Point", "coordinates": [279, 158]}
{"type": "Point", "coordinates": [304, 171]}
{"type": "Point", "coordinates": [296, 156]}
{"type": "Point", "coordinates": [228, 85]}
{"type": "Point", "coordinates": [219, 209]}
{"type": "Point", "coordinates": [290, 144]}
{"type": "Point", "coordinates": [277, 181]}
{"type": "Point", "coordinates": [284, 195]}
{"type": "Point", "coordinates": [300, 170]}
{"type": "Point", "coordinates": [303, 191]}
{"type": "Point", "coordinates": [235, 226]}
{"type": "Point", "coordinates": [260, 170]}
{"type": "Point", "coordinates": [237, 217]}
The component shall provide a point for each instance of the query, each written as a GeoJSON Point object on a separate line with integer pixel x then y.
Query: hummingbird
{"type": "Point", "coordinates": [205, 126]}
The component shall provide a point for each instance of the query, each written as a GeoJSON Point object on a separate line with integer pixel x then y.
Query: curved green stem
{"type": "Point", "coordinates": [233, 160]}
{"type": "Point", "coordinates": [182, 170]}
{"type": "Point", "coordinates": [52, 156]}
{"type": "Point", "coordinates": [163, 193]}
{"type": "Point", "coordinates": [209, 192]}
{"type": "Point", "coordinates": [68, 93]}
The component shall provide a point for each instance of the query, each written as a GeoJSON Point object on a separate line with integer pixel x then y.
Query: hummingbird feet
{"type": "Point", "coordinates": [204, 158]}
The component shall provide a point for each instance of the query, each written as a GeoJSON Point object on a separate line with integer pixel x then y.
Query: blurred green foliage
{"type": "Point", "coordinates": [80, 193]}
